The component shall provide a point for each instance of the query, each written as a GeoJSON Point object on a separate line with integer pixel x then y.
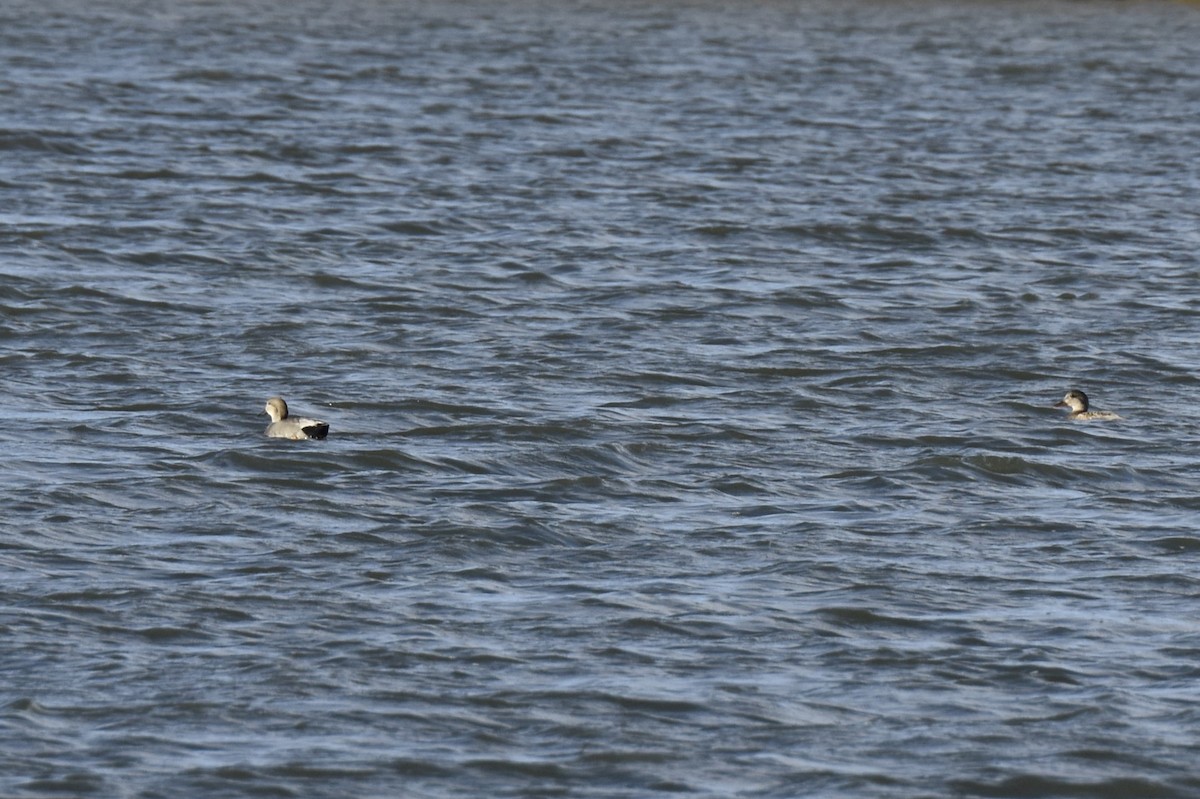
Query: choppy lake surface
{"type": "Point", "coordinates": [689, 369]}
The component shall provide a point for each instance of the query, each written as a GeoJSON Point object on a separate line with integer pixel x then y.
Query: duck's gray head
{"type": "Point", "coordinates": [1075, 399]}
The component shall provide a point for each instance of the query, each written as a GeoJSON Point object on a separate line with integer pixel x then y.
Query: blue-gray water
{"type": "Point", "coordinates": [689, 368]}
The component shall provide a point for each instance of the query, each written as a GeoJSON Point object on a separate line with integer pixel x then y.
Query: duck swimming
{"type": "Point", "coordinates": [1077, 401]}
{"type": "Point", "coordinates": [293, 427]}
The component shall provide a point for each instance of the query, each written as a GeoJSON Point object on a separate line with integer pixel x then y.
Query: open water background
{"type": "Point", "coordinates": [689, 368]}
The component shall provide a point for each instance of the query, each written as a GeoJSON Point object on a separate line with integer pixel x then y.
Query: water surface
{"type": "Point", "coordinates": [689, 370]}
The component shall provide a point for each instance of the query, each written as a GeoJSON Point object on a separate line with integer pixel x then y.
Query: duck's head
{"type": "Point", "coordinates": [1075, 399]}
{"type": "Point", "coordinates": [276, 408]}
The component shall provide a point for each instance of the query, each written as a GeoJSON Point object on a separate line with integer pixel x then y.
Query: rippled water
{"type": "Point", "coordinates": [689, 369]}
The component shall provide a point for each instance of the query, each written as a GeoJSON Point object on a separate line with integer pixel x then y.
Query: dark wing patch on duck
{"type": "Point", "coordinates": [318, 431]}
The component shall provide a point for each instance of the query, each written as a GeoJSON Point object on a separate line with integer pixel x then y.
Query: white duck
{"type": "Point", "coordinates": [294, 427]}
